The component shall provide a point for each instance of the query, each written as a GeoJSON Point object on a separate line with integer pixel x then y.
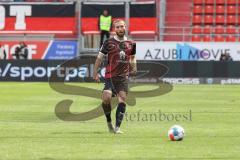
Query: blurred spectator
{"type": "Point", "coordinates": [228, 57]}
{"type": "Point", "coordinates": [225, 57]}
{"type": "Point", "coordinates": [21, 52]}
{"type": "Point", "coordinates": [222, 57]}
{"type": "Point", "coordinates": [3, 54]}
{"type": "Point", "coordinates": [104, 24]}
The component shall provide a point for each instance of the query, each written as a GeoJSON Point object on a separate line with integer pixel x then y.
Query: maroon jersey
{"type": "Point", "coordinates": [118, 53]}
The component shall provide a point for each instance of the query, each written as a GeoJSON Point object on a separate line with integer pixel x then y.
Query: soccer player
{"type": "Point", "coordinates": [121, 62]}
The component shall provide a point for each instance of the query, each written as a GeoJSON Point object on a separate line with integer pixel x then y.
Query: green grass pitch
{"type": "Point", "coordinates": [30, 130]}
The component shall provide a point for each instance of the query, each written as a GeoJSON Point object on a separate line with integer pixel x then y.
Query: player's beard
{"type": "Point", "coordinates": [121, 35]}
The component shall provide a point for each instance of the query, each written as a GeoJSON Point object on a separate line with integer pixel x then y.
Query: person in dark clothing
{"type": "Point", "coordinates": [3, 54]}
{"type": "Point", "coordinates": [21, 52]}
{"type": "Point", "coordinates": [228, 57]}
{"type": "Point", "coordinates": [120, 52]}
{"type": "Point", "coordinates": [222, 57]}
{"type": "Point", "coordinates": [225, 57]}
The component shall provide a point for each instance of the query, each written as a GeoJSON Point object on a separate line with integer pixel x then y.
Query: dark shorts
{"type": "Point", "coordinates": [116, 84]}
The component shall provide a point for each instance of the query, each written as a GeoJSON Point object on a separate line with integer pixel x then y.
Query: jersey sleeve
{"type": "Point", "coordinates": [133, 48]}
{"type": "Point", "coordinates": [104, 48]}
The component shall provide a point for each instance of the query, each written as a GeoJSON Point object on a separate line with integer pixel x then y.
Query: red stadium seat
{"type": "Point", "coordinates": [231, 29]}
{"type": "Point", "coordinates": [207, 29]}
{"type": "Point", "coordinates": [220, 9]}
{"type": "Point", "coordinates": [197, 19]}
{"type": "Point", "coordinates": [231, 38]}
{"type": "Point", "coordinates": [220, 19]}
{"type": "Point", "coordinates": [219, 29]}
{"type": "Point", "coordinates": [196, 38]}
{"type": "Point", "coordinates": [208, 19]}
{"type": "Point", "coordinates": [197, 29]}
{"type": "Point", "coordinates": [209, 9]}
{"type": "Point", "coordinates": [219, 38]}
{"type": "Point", "coordinates": [137, 27]}
{"type": "Point", "coordinates": [231, 10]}
{"type": "Point", "coordinates": [238, 20]}
{"type": "Point", "coordinates": [231, 19]}
{"type": "Point", "coordinates": [222, 2]}
{"type": "Point", "coordinates": [197, 9]}
{"type": "Point", "coordinates": [207, 38]}
{"type": "Point", "coordinates": [211, 2]}
{"type": "Point", "coordinates": [231, 2]}
{"type": "Point", "coordinates": [198, 2]}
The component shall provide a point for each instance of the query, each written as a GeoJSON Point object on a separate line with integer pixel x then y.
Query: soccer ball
{"type": "Point", "coordinates": [176, 133]}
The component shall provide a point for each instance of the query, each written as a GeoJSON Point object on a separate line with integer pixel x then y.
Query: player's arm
{"type": "Point", "coordinates": [133, 61]}
{"type": "Point", "coordinates": [98, 63]}
{"type": "Point", "coordinates": [102, 52]}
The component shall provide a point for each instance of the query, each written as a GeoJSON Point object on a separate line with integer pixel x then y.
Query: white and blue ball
{"type": "Point", "coordinates": [176, 133]}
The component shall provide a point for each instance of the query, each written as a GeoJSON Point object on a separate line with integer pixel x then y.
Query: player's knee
{"type": "Point", "coordinates": [106, 97]}
{"type": "Point", "coordinates": [106, 100]}
{"type": "Point", "coordinates": [122, 99]}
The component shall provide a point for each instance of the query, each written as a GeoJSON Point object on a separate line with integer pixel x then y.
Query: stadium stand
{"type": "Point", "coordinates": [142, 13]}
{"type": "Point", "coordinates": [190, 20]}
{"type": "Point", "coordinates": [143, 20]}
{"type": "Point", "coordinates": [178, 20]}
{"type": "Point", "coordinates": [215, 20]}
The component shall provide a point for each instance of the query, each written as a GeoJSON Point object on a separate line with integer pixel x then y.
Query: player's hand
{"type": "Point", "coordinates": [96, 78]}
{"type": "Point", "coordinates": [133, 73]}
